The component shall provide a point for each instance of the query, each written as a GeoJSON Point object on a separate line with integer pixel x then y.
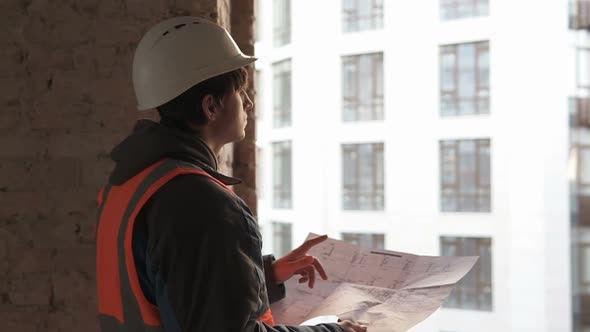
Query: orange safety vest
{"type": "Point", "coordinates": [122, 306]}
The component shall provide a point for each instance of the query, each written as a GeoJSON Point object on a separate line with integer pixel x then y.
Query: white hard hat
{"type": "Point", "coordinates": [178, 53]}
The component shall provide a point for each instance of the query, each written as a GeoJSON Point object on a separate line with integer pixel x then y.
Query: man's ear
{"type": "Point", "coordinates": [210, 107]}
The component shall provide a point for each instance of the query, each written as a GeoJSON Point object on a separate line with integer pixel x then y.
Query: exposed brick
{"type": "Point", "coordinates": [118, 33]}
{"type": "Point", "coordinates": [74, 201]}
{"type": "Point", "coordinates": [96, 173]}
{"type": "Point", "coordinates": [24, 174]}
{"type": "Point", "coordinates": [47, 233]}
{"type": "Point", "coordinates": [112, 9]}
{"type": "Point", "coordinates": [53, 232]}
{"type": "Point", "coordinates": [34, 145]}
{"type": "Point", "coordinates": [30, 319]}
{"type": "Point", "coordinates": [80, 144]}
{"type": "Point", "coordinates": [115, 121]}
{"type": "Point", "coordinates": [31, 289]}
{"type": "Point", "coordinates": [14, 12]}
{"type": "Point", "coordinates": [56, 113]}
{"type": "Point", "coordinates": [10, 115]}
{"type": "Point", "coordinates": [244, 156]}
{"type": "Point", "coordinates": [70, 231]}
{"type": "Point", "coordinates": [7, 241]}
{"type": "Point", "coordinates": [90, 8]}
{"type": "Point", "coordinates": [63, 220]}
{"type": "Point", "coordinates": [59, 26]}
{"type": "Point", "coordinates": [21, 230]}
{"type": "Point", "coordinates": [210, 9]}
{"type": "Point", "coordinates": [54, 91]}
{"type": "Point", "coordinates": [14, 174]}
{"type": "Point", "coordinates": [58, 60]}
{"type": "Point", "coordinates": [109, 91]}
{"type": "Point", "coordinates": [11, 54]}
{"type": "Point", "coordinates": [11, 89]}
{"type": "Point", "coordinates": [76, 259]}
{"type": "Point", "coordinates": [31, 260]}
{"type": "Point", "coordinates": [24, 204]}
{"type": "Point", "coordinates": [66, 100]}
{"type": "Point", "coordinates": [83, 319]}
{"type": "Point", "coordinates": [146, 9]}
{"type": "Point", "coordinates": [226, 159]}
{"type": "Point", "coordinates": [70, 289]}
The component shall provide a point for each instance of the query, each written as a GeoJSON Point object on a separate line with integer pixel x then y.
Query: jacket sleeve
{"type": "Point", "coordinates": [275, 292]}
{"type": "Point", "coordinates": [205, 278]}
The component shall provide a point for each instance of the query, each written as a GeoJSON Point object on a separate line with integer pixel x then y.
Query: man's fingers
{"type": "Point", "coordinates": [302, 262]}
{"type": "Point", "coordinates": [359, 328]}
{"type": "Point", "coordinates": [320, 268]}
{"type": "Point", "coordinates": [303, 280]}
{"type": "Point", "coordinates": [304, 248]}
{"type": "Point", "coordinates": [349, 326]}
{"type": "Point", "coordinates": [311, 275]}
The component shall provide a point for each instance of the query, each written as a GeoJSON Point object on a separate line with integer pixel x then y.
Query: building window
{"type": "Point", "coordinates": [583, 173]}
{"type": "Point", "coordinates": [362, 176]}
{"type": "Point", "coordinates": [362, 87]}
{"type": "Point", "coordinates": [455, 9]}
{"type": "Point", "coordinates": [361, 15]}
{"type": "Point", "coordinates": [365, 240]}
{"type": "Point", "coordinates": [282, 175]}
{"type": "Point", "coordinates": [464, 79]}
{"type": "Point", "coordinates": [474, 291]}
{"type": "Point", "coordinates": [581, 186]}
{"type": "Point", "coordinates": [281, 22]}
{"type": "Point", "coordinates": [282, 236]}
{"type": "Point", "coordinates": [281, 94]}
{"type": "Point", "coordinates": [583, 69]}
{"type": "Point", "coordinates": [583, 253]}
{"type": "Point", "coordinates": [579, 14]}
{"type": "Point", "coordinates": [465, 176]}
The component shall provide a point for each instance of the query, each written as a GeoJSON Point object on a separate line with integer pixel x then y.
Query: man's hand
{"type": "Point", "coordinates": [299, 262]}
{"type": "Point", "coordinates": [349, 326]}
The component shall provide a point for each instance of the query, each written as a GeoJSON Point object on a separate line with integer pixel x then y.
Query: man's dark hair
{"type": "Point", "coordinates": [187, 108]}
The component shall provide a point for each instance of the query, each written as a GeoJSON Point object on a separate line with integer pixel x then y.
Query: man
{"type": "Point", "coordinates": [177, 250]}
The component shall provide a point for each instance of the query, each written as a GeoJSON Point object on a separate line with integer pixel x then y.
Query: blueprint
{"type": "Point", "coordinates": [390, 291]}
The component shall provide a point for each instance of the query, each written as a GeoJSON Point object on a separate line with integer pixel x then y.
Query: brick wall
{"type": "Point", "coordinates": [66, 99]}
{"type": "Point", "coordinates": [244, 156]}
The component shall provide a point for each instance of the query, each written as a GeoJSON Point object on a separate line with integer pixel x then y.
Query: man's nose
{"type": "Point", "coordinates": [248, 104]}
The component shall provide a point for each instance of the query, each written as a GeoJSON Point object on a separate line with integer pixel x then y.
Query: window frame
{"type": "Point", "coordinates": [281, 28]}
{"type": "Point", "coordinates": [282, 193]}
{"type": "Point", "coordinates": [453, 6]}
{"type": "Point", "coordinates": [353, 189]}
{"type": "Point", "coordinates": [354, 102]}
{"type": "Point", "coordinates": [459, 244]}
{"type": "Point", "coordinates": [352, 20]}
{"type": "Point", "coordinates": [282, 106]}
{"type": "Point", "coordinates": [482, 192]}
{"type": "Point", "coordinates": [480, 87]}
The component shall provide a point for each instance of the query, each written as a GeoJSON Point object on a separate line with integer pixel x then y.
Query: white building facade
{"type": "Point", "coordinates": [432, 127]}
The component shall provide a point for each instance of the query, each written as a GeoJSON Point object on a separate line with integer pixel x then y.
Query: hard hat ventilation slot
{"type": "Point", "coordinates": [175, 27]}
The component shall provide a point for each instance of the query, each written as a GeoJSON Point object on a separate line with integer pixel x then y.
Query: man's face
{"type": "Point", "coordinates": [234, 116]}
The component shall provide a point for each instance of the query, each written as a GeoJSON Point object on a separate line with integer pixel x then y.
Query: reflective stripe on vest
{"type": "Point", "coordinates": [122, 304]}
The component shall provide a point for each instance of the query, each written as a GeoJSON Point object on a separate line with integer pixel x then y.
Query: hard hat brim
{"type": "Point", "coordinates": [203, 73]}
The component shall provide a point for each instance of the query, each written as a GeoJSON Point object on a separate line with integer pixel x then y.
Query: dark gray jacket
{"type": "Point", "coordinates": [197, 246]}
